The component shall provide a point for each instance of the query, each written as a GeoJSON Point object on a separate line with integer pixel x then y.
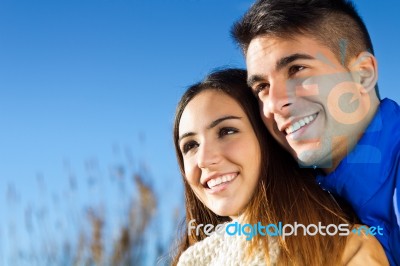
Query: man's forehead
{"type": "Point", "coordinates": [261, 46]}
{"type": "Point", "coordinates": [274, 49]}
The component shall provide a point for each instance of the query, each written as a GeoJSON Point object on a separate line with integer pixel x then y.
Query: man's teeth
{"type": "Point", "coordinates": [221, 179]}
{"type": "Point", "coordinates": [301, 123]}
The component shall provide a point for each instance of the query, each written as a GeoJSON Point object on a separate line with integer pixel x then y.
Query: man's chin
{"type": "Point", "coordinates": [309, 159]}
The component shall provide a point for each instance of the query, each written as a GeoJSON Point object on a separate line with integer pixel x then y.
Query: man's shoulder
{"type": "Point", "coordinates": [389, 116]}
{"type": "Point", "coordinates": [389, 107]}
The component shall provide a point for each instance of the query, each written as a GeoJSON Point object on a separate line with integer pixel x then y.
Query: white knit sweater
{"type": "Point", "coordinates": [223, 249]}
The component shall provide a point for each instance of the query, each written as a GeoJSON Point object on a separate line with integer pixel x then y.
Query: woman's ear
{"type": "Point", "coordinates": [365, 69]}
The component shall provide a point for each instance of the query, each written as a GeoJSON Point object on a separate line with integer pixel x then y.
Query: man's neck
{"type": "Point", "coordinates": [344, 146]}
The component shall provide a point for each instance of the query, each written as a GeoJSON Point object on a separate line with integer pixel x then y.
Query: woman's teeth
{"type": "Point", "coordinates": [221, 179]}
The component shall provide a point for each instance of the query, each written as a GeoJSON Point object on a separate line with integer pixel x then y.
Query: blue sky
{"type": "Point", "coordinates": [85, 80]}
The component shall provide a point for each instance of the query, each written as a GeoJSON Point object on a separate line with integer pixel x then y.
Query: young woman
{"type": "Point", "coordinates": [235, 173]}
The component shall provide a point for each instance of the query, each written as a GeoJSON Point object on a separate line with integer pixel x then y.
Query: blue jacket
{"type": "Point", "coordinates": [369, 178]}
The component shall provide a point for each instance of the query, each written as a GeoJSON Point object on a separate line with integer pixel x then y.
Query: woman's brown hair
{"type": "Point", "coordinates": [286, 193]}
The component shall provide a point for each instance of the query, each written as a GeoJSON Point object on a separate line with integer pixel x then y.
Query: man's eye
{"type": "Point", "coordinates": [259, 88]}
{"type": "Point", "coordinates": [294, 69]}
{"type": "Point", "coordinates": [227, 131]}
{"type": "Point", "coordinates": [189, 146]}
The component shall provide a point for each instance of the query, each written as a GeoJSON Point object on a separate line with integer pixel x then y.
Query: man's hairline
{"type": "Point", "coordinates": [292, 36]}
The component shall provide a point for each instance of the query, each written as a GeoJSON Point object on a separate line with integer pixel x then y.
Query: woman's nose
{"type": "Point", "coordinates": [208, 155]}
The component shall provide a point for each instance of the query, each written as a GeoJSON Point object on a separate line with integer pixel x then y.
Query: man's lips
{"type": "Point", "coordinates": [293, 126]}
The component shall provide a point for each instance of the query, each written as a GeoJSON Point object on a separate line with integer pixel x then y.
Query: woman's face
{"type": "Point", "coordinates": [221, 153]}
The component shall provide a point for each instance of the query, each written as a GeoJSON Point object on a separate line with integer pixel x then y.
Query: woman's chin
{"type": "Point", "coordinates": [224, 213]}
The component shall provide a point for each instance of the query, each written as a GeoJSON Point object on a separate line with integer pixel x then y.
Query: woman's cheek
{"type": "Point", "coordinates": [192, 173]}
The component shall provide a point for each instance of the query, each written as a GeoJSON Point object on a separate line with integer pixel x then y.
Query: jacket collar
{"type": "Point", "coordinates": [362, 172]}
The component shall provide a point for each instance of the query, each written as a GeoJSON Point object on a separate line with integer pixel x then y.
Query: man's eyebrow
{"type": "Point", "coordinates": [212, 125]}
{"type": "Point", "coordinates": [254, 79]}
{"type": "Point", "coordinates": [284, 61]}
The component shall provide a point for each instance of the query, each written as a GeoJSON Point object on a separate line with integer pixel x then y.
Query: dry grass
{"type": "Point", "coordinates": [96, 238]}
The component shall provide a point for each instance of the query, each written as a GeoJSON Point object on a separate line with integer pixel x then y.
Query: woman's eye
{"type": "Point", "coordinates": [227, 131]}
{"type": "Point", "coordinates": [294, 69]}
{"type": "Point", "coordinates": [189, 146]}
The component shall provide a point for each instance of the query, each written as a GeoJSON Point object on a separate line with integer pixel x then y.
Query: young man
{"type": "Point", "coordinates": [311, 64]}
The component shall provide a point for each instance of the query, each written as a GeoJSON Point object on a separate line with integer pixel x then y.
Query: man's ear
{"type": "Point", "coordinates": [365, 69]}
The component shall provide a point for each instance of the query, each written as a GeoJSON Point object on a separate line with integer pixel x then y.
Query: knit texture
{"type": "Point", "coordinates": [223, 249]}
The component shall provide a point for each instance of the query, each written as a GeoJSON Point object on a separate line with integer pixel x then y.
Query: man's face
{"type": "Point", "coordinates": [308, 99]}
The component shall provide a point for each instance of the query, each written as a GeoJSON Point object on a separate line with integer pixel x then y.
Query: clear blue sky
{"type": "Point", "coordinates": [83, 80]}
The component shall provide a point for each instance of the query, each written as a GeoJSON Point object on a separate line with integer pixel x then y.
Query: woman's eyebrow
{"type": "Point", "coordinates": [219, 120]}
{"type": "Point", "coordinates": [188, 134]}
{"type": "Point", "coordinates": [212, 124]}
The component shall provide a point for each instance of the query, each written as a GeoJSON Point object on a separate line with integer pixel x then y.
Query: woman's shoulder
{"type": "Point", "coordinates": [362, 249]}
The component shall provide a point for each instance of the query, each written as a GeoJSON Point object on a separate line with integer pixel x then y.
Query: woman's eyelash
{"type": "Point", "coordinates": [227, 131]}
{"type": "Point", "coordinates": [188, 146]}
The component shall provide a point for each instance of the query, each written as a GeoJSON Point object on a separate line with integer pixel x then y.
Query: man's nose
{"type": "Point", "coordinates": [278, 98]}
